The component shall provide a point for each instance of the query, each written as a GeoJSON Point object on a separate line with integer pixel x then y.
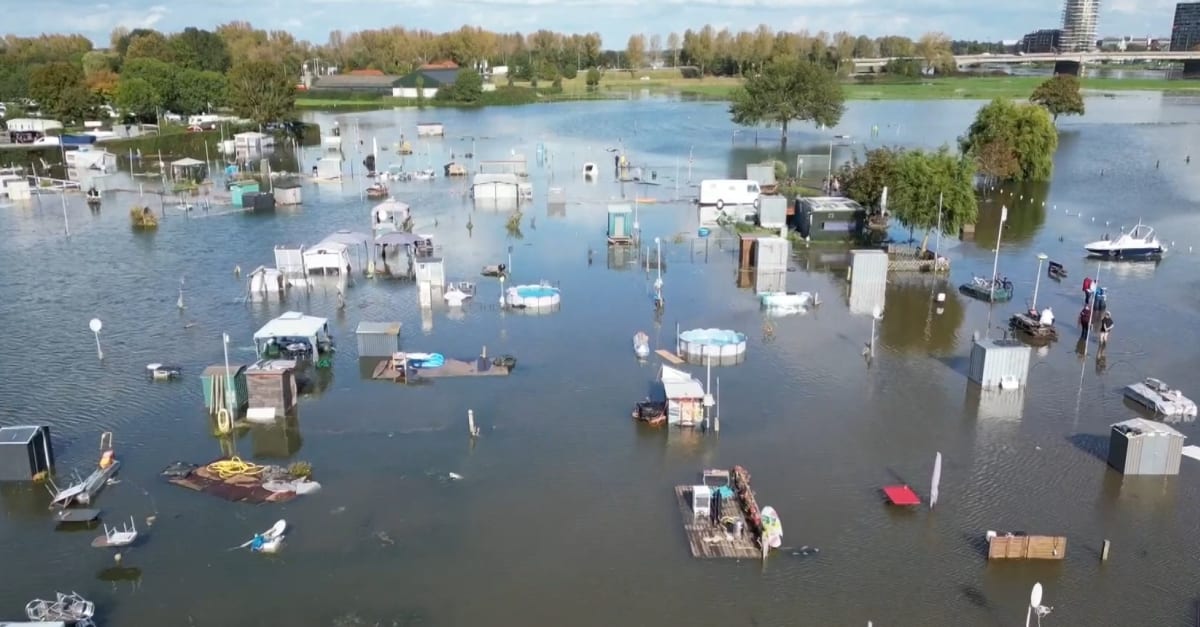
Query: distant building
{"type": "Point", "coordinates": [1079, 25]}
{"type": "Point", "coordinates": [1185, 32]}
{"type": "Point", "coordinates": [371, 81]}
{"type": "Point", "coordinates": [1041, 41]}
{"type": "Point", "coordinates": [426, 80]}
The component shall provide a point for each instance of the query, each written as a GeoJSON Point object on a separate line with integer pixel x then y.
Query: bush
{"type": "Point", "coordinates": [593, 77]}
{"type": "Point", "coordinates": [569, 72]}
{"type": "Point", "coordinates": [509, 96]}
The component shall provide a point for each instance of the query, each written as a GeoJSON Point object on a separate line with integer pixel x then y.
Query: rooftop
{"type": "Point", "coordinates": [341, 81]}
{"type": "Point", "coordinates": [1137, 427]}
{"type": "Point", "coordinates": [18, 435]}
{"type": "Point", "coordinates": [831, 203]}
{"type": "Point", "coordinates": [292, 324]}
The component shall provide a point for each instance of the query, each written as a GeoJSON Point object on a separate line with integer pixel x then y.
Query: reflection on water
{"type": "Point", "coordinates": [557, 433]}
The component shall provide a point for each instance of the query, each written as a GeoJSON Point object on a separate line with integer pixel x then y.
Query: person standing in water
{"type": "Point", "coordinates": [1106, 325]}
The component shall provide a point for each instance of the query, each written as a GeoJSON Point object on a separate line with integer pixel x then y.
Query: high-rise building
{"type": "Point", "coordinates": [1079, 25]}
{"type": "Point", "coordinates": [1041, 41]}
{"type": "Point", "coordinates": [1185, 34]}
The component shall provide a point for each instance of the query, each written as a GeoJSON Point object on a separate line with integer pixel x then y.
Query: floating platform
{"type": "Point", "coordinates": [670, 357]}
{"type": "Point", "coordinates": [386, 370]}
{"type": "Point", "coordinates": [901, 496]}
{"type": "Point", "coordinates": [1032, 327]}
{"type": "Point", "coordinates": [1027, 547]}
{"type": "Point", "coordinates": [708, 541]}
{"type": "Point", "coordinates": [242, 488]}
{"type": "Point", "coordinates": [75, 516]}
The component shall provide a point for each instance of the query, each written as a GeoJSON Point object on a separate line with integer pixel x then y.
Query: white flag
{"type": "Point", "coordinates": [937, 478]}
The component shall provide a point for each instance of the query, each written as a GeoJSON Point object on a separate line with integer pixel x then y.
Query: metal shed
{"type": "Point", "coordinates": [771, 254]}
{"type": "Point", "coordinates": [377, 339]}
{"type": "Point", "coordinates": [868, 280]}
{"type": "Point", "coordinates": [999, 363]}
{"type": "Point", "coordinates": [772, 212]}
{"type": "Point", "coordinates": [25, 451]}
{"type": "Point", "coordinates": [1143, 447]}
{"type": "Point", "coordinates": [431, 271]}
{"type": "Point", "coordinates": [216, 388]}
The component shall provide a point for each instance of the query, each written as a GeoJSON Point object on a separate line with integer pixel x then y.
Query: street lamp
{"type": "Point", "coordinates": [1042, 257]}
{"type": "Point", "coordinates": [996, 258]}
{"type": "Point", "coordinates": [95, 325]}
{"type": "Point", "coordinates": [228, 379]}
{"type": "Point", "coordinates": [876, 316]}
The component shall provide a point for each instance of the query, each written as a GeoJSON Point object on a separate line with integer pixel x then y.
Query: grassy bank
{"type": "Point", "coordinates": [618, 85]}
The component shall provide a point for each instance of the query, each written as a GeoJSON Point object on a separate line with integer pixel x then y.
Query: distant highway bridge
{"type": "Point", "coordinates": [1064, 63]}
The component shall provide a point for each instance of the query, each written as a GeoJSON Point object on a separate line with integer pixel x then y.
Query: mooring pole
{"type": "Point", "coordinates": [1104, 550]}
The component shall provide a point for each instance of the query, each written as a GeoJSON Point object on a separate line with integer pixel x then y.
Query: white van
{"type": "Point", "coordinates": [729, 192]}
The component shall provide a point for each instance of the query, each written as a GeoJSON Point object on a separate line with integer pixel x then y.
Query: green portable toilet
{"type": "Point", "coordinates": [239, 189]}
{"type": "Point", "coordinates": [215, 387]}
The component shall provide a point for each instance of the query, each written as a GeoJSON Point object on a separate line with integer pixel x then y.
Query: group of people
{"type": "Point", "coordinates": [1092, 291]}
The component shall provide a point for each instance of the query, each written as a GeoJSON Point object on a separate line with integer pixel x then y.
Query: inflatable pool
{"type": "Point", "coordinates": [720, 346]}
{"type": "Point", "coordinates": [426, 360]}
{"type": "Point", "coordinates": [533, 296]}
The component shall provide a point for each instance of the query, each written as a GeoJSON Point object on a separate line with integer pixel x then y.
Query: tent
{"type": "Point", "coordinates": [291, 328]}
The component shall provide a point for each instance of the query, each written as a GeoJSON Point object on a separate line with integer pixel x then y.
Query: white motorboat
{"type": "Point", "coordinates": [1160, 398]}
{"type": "Point", "coordinates": [641, 345]}
{"type": "Point", "coordinates": [428, 174]}
{"type": "Point", "coordinates": [1140, 242]}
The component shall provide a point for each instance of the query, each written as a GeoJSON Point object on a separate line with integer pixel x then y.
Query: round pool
{"type": "Point", "coordinates": [721, 347]}
{"type": "Point", "coordinates": [533, 296]}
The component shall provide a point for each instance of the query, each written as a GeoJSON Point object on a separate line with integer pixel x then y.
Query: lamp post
{"type": "Point", "coordinates": [830, 170]}
{"type": "Point", "coordinates": [996, 258]}
{"type": "Point", "coordinates": [1042, 257]}
{"type": "Point", "coordinates": [95, 325]}
{"type": "Point", "coordinates": [876, 316]}
{"type": "Point", "coordinates": [228, 379]}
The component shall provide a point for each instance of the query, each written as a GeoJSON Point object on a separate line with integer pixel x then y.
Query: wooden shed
{"type": "Point", "coordinates": [216, 389]}
{"type": "Point", "coordinates": [271, 384]}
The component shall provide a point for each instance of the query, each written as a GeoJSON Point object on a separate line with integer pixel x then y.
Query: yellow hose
{"type": "Point", "coordinates": [234, 466]}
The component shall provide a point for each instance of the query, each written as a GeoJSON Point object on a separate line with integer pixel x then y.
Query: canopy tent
{"type": "Point", "coordinates": [361, 242]}
{"type": "Point", "coordinates": [291, 328]}
{"type": "Point", "coordinates": [186, 162]}
{"type": "Point", "coordinates": [397, 238]}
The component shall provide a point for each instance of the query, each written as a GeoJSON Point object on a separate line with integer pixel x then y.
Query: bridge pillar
{"type": "Point", "coordinates": [1073, 68]}
{"type": "Point", "coordinates": [1191, 69]}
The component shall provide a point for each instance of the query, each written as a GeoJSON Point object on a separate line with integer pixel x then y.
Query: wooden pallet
{"type": "Point", "coordinates": [669, 356]}
{"type": "Point", "coordinates": [1027, 547]}
{"type": "Point", "coordinates": [709, 542]}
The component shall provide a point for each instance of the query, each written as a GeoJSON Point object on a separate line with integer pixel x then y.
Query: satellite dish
{"type": "Point", "coordinates": [1035, 596]}
{"type": "Point", "coordinates": [95, 325]}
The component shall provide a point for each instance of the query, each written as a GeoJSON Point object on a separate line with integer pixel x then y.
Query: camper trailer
{"type": "Point", "coordinates": [722, 192]}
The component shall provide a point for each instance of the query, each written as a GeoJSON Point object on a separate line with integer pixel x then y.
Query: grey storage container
{"type": "Point", "coordinates": [378, 339]}
{"type": "Point", "coordinates": [994, 361]}
{"type": "Point", "coordinates": [25, 451]}
{"type": "Point", "coordinates": [772, 212]}
{"type": "Point", "coordinates": [263, 202]}
{"type": "Point", "coordinates": [1144, 447]}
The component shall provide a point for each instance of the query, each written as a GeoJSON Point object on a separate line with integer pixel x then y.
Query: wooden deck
{"type": "Point", "coordinates": [669, 356]}
{"type": "Point", "coordinates": [709, 542]}
{"type": "Point", "coordinates": [479, 367]}
{"type": "Point", "coordinates": [238, 488]}
{"type": "Point", "coordinates": [1027, 547]}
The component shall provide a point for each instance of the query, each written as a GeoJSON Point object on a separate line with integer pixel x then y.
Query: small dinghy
{"type": "Point", "coordinates": [114, 537]}
{"type": "Point", "coordinates": [983, 289]}
{"type": "Point", "coordinates": [641, 345]}
{"type": "Point", "coordinates": [772, 528]}
{"type": "Point", "coordinates": [268, 541]}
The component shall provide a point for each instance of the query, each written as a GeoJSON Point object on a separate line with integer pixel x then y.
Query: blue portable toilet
{"type": "Point", "coordinates": [620, 224]}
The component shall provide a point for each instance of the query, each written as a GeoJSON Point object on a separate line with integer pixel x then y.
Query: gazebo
{"type": "Point", "coordinates": [360, 242]}
{"type": "Point", "coordinates": [187, 167]}
{"type": "Point", "coordinates": [294, 332]}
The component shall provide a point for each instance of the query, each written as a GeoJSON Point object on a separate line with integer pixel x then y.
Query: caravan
{"type": "Point", "coordinates": [729, 192]}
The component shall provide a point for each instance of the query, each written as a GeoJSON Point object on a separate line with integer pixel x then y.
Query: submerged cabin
{"type": "Point", "coordinates": [377, 339]}
{"type": "Point", "coordinates": [293, 334]}
{"type": "Point", "coordinates": [389, 215]}
{"type": "Point", "coordinates": [500, 186]}
{"type": "Point", "coordinates": [253, 141]}
{"type": "Point", "coordinates": [999, 363]}
{"type": "Point", "coordinates": [329, 169]}
{"type": "Point", "coordinates": [25, 452]}
{"type": "Point", "coordinates": [620, 224]}
{"type": "Point", "coordinates": [271, 384]}
{"type": "Point", "coordinates": [326, 257]}
{"type": "Point", "coordinates": [828, 218]}
{"type": "Point", "coordinates": [684, 397]}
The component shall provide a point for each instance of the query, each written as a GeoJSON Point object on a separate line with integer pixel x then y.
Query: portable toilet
{"type": "Point", "coordinates": [620, 224]}
{"type": "Point", "coordinates": [239, 189]}
{"type": "Point", "coordinates": [701, 501]}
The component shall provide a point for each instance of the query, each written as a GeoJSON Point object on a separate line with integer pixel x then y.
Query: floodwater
{"type": "Point", "coordinates": [565, 512]}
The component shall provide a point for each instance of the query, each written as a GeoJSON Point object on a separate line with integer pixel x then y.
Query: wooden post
{"type": "Point", "coordinates": [472, 429]}
{"type": "Point", "coordinates": [1104, 550]}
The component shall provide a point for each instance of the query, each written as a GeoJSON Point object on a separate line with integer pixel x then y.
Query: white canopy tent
{"type": "Point", "coordinates": [293, 328]}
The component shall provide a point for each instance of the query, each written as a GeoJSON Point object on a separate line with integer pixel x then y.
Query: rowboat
{"type": "Point", "coordinates": [268, 541]}
{"type": "Point", "coordinates": [641, 345]}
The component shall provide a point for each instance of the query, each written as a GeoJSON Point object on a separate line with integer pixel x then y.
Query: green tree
{"type": "Point", "coordinates": [1008, 132]}
{"type": "Point", "coordinates": [593, 77]}
{"type": "Point", "coordinates": [787, 89]}
{"type": "Point", "coordinates": [467, 88]}
{"type": "Point", "coordinates": [60, 89]}
{"type": "Point", "coordinates": [161, 76]}
{"type": "Point", "coordinates": [922, 178]}
{"type": "Point", "coordinates": [198, 49]}
{"type": "Point", "coordinates": [198, 92]}
{"type": "Point", "coordinates": [14, 79]}
{"type": "Point", "coordinates": [635, 52]}
{"type": "Point", "coordinates": [864, 181]}
{"type": "Point", "coordinates": [137, 97]}
{"type": "Point", "coordinates": [149, 45]}
{"type": "Point", "coordinates": [262, 91]}
{"type": "Point", "coordinates": [96, 61]}
{"type": "Point", "coordinates": [1060, 95]}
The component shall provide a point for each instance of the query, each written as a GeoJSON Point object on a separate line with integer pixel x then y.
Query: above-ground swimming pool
{"type": "Point", "coordinates": [720, 346]}
{"type": "Point", "coordinates": [533, 296]}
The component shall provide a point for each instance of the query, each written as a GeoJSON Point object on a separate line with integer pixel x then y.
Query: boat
{"type": "Point", "coordinates": [268, 541]}
{"type": "Point", "coordinates": [772, 529]}
{"type": "Point", "coordinates": [983, 289]}
{"type": "Point", "coordinates": [497, 270]}
{"type": "Point", "coordinates": [641, 345]}
{"type": "Point", "coordinates": [113, 537]}
{"type": "Point", "coordinates": [428, 174]}
{"type": "Point", "coordinates": [65, 608]}
{"type": "Point", "coordinates": [93, 197]}
{"type": "Point", "coordinates": [160, 372]}
{"type": "Point", "coordinates": [457, 293]}
{"type": "Point", "coordinates": [650, 412]}
{"type": "Point", "coordinates": [1160, 398]}
{"type": "Point", "coordinates": [82, 492]}
{"type": "Point", "coordinates": [1140, 242]}
{"type": "Point", "coordinates": [1034, 324]}
{"type": "Point", "coordinates": [377, 191]}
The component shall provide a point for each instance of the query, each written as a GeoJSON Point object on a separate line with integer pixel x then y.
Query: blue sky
{"type": "Point", "coordinates": [615, 19]}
